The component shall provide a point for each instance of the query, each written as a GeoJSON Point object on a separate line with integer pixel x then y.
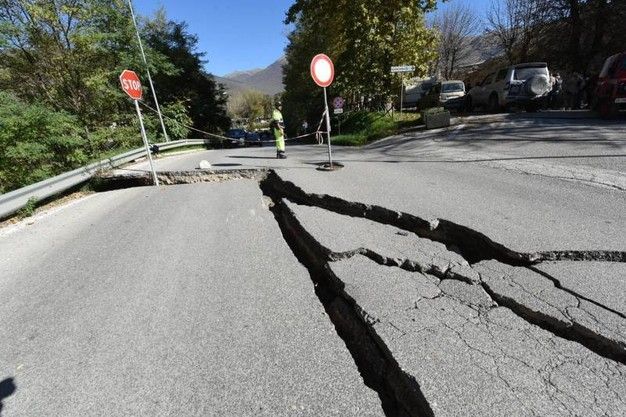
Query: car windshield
{"type": "Point", "coordinates": [529, 72]}
{"type": "Point", "coordinates": [453, 87]}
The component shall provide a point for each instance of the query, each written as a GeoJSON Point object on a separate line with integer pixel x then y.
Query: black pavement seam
{"type": "Point", "coordinates": [589, 256]}
{"type": "Point", "coordinates": [600, 344]}
{"type": "Point", "coordinates": [399, 392]}
{"type": "Point", "coordinates": [473, 245]}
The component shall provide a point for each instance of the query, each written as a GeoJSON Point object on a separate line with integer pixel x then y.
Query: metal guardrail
{"type": "Point", "coordinates": [15, 200]}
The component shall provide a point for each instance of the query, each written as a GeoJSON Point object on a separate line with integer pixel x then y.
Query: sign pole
{"type": "Point", "coordinates": [323, 73]}
{"type": "Point", "coordinates": [145, 142]}
{"type": "Point", "coordinates": [330, 152]}
{"type": "Point", "coordinates": [401, 94]}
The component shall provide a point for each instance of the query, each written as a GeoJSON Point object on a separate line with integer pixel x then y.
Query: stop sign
{"type": "Point", "coordinates": [131, 84]}
{"type": "Point", "coordinates": [322, 70]}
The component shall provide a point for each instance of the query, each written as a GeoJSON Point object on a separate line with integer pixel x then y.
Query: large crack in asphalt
{"type": "Point", "coordinates": [570, 330]}
{"type": "Point", "coordinates": [399, 392]}
{"type": "Point", "coordinates": [132, 179]}
{"type": "Point", "coordinates": [473, 245]}
{"type": "Point", "coordinates": [573, 331]}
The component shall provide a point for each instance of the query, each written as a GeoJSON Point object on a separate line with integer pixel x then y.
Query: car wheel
{"type": "Point", "coordinates": [494, 106]}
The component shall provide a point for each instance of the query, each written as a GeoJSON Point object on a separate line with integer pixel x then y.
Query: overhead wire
{"type": "Point", "coordinates": [318, 133]}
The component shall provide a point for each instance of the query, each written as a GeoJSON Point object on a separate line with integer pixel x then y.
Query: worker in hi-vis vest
{"type": "Point", "coordinates": [278, 128]}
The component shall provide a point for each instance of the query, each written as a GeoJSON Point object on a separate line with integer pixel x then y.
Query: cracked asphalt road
{"type": "Point", "coordinates": [175, 301]}
{"type": "Point", "coordinates": [196, 300]}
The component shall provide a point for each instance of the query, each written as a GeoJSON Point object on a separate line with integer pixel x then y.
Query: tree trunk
{"type": "Point", "coordinates": [599, 28]}
{"type": "Point", "coordinates": [575, 35]}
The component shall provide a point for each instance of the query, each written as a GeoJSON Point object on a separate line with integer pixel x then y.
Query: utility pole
{"type": "Point", "coordinates": [145, 61]}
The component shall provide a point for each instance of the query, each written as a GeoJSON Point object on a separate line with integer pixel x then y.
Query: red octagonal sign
{"type": "Point", "coordinates": [131, 84]}
{"type": "Point", "coordinates": [322, 70]}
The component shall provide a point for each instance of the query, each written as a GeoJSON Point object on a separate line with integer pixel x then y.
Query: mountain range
{"type": "Point", "coordinates": [267, 80]}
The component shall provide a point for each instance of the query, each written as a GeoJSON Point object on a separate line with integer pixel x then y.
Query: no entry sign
{"type": "Point", "coordinates": [322, 70]}
{"type": "Point", "coordinates": [131, 84]}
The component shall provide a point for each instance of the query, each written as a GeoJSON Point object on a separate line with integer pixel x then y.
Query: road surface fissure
{"type": "Point", "coordinates": [399, 392]}
{"type": "Point", "coordinates": [474, 246]}
{"type": "Point", "coordinates": [110, 182]}
{"type": "Point", "coordinates": [596, 342]}
{"type": "Point", "coordinates": [592, 340]}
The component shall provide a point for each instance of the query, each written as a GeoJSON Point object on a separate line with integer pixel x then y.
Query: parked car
{"type": "Point", "coordinates": [253, 139]}
{"type": "Point", "coordinates": [522, 85]}
{"type": "Point", "coordinates": [415, 92]}
{"type": "Point", "coordinates": [610, 93]}
{"type": "Point", "coordinates": [444, 94]}
{"type": "Point", "coordinates": [236, 137]}
{"type": "Point", "coordinates": [266, 136]}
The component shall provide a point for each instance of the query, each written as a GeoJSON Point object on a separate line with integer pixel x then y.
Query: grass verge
{"type": "Point", "coordinates": [364, 127]}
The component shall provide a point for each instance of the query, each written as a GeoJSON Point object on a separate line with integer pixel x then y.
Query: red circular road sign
{"type": "Point", "coordinates": [131, 84]}
{"type": "Point", "coordinates": [322, 70]}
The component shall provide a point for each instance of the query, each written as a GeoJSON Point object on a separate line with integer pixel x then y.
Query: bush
{"type": "Point", "coordinates": [29, 209]}
{"type": "Point", "coordinates": [36, 142]}
{"type": "Point", "coordinates": [362, 127]}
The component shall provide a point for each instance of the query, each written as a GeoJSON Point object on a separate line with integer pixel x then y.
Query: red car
{"type": "Point", "coordinates": [611, 87]}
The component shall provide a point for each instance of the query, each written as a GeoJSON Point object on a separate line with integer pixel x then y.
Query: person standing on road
{"type": "Point", "coordinates": [278, 128]}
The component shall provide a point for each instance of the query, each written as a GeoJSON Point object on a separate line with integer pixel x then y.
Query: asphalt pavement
{"type": "Point", "coordinates": [175, 301]}
{"type": "Point", "coordinates": [476, 270]}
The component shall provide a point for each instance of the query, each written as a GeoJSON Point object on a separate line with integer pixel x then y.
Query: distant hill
{"type": "Point", "coordinates": [483, 48]}
{"type": "Point", "coordinates": [242, 75]}
{"type": "Point", "coordinates": [267, 80]}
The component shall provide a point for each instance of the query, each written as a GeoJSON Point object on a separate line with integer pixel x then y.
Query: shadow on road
{"type": "Point", "coordinates": [250, 157]}
{"type": "Point", "coordinates": [463, 161]}
{"type": "Point", "coordinates": [226, 165]}
{"type": "Point", "coordinates": [7, 388]}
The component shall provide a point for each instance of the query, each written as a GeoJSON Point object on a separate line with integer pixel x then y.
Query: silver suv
{"type": "Point", "coordinates": [522, 85]}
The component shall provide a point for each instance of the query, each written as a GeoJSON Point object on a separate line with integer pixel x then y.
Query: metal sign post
{"type": "Point", "coordinates": [145, 142]}
{"type": "Point", "coordinates": [330, 151]}
{"type": "Point", "coordinates": [131, 84]}
{"type": "Point", "coordinates": [338, 104]}
{"type": "Point", "coordinates": [402, 69]}
{"type": "Point", "coordinates": [401, 95]}
{"type": "Point", "coordinates": [323, 73]}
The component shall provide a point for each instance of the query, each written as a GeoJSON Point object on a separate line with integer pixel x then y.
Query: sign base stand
{"type": "Point", "coordinates": [326, 167]}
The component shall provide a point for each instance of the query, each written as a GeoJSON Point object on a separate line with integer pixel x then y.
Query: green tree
{"type": "Point", "coordinates": [35, 143]}
{"type": "Point", "coordinates": [250, 105]}
{"type": "Point", "coordinates": [364, 38]}
{"type": "Point", "coordinates": [62, 58]}
{"type": "Point", "coordinates": [68, 55]}
{"type": "Point", "coordinates": [190, 85]}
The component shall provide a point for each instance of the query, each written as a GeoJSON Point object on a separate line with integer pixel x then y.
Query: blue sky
{"type": "Point", "coordinates": [238, 34]}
